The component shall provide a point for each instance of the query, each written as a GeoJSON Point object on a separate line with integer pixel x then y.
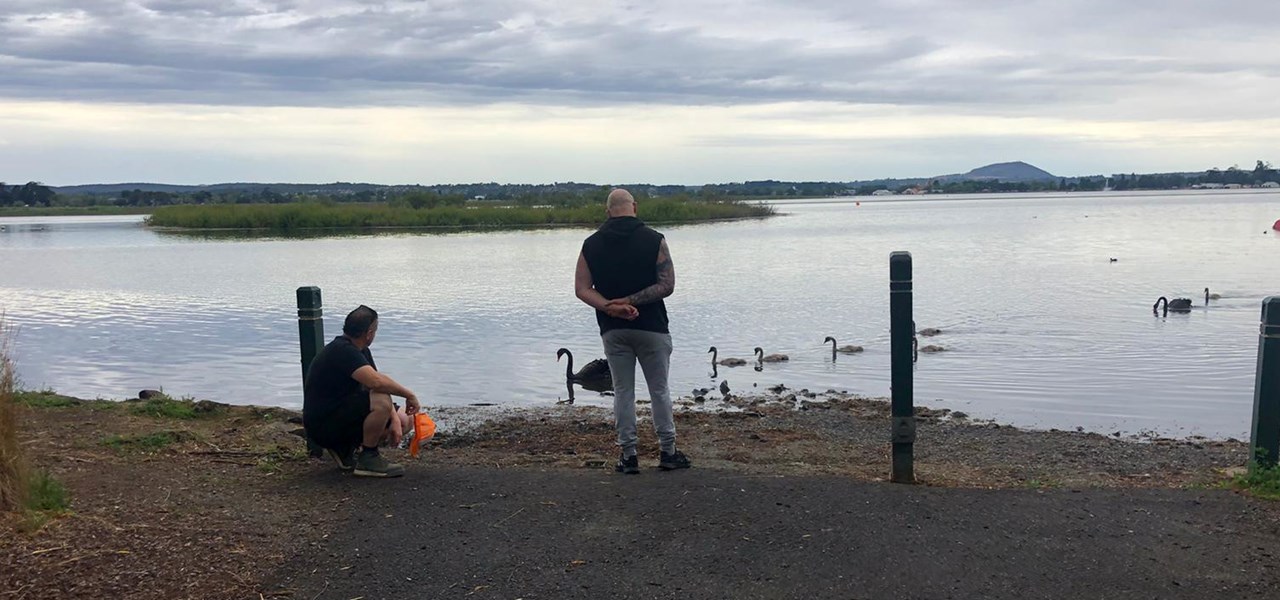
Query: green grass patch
{"type": "Point", "coordinates": [45, 493]}
{"type": "Point", "coordinates": [312, 215]}
{"type": "Point", "coordinates": [1260, 482]}
{"type": "Point", "coordinates": [151, 442]}
{"type": "Point", "coordinates": [44, 399]}
{"type": "Point", "coordinates": [164, 407]}
{"type": "Point", "coordinates": [46, 498]}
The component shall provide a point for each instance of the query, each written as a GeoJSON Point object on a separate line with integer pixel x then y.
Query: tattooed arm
{"type": "Point", "coordinates": [666, 280]}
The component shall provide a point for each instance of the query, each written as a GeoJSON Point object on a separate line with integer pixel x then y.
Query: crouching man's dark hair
{"type": "Point", "coordinates": [359, 321]}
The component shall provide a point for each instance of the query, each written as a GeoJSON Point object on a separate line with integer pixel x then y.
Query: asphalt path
{"type": "Point", "coordinates": [523, 533]}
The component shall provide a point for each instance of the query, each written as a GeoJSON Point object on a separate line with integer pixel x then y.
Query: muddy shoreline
{"type": "Point", "coordinates": [804, 432]}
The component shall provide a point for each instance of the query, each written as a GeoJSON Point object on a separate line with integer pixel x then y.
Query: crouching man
{"type": "Point", "coordinates": [347, 402]}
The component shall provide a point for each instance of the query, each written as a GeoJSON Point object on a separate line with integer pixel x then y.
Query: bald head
{"type": "Point", "coordinates": [621, 204]}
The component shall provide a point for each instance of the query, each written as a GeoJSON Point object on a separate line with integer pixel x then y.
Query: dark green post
{"type": "Point", "coordinates": [1265, 434]}
{"type": "Point", "coordinates": [310, 326]}
{"type": "Point", "coordinates": [901, 332]}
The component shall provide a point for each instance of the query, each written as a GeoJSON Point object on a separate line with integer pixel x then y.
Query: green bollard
{"type": "Point", "coordinates": [901, 333]}
{"type": "Point", "coordinates": [310, 326]}
{"type": "Point", "coordinates": [1265, 434]}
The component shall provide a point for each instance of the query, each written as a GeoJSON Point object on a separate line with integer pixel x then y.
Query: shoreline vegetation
{"type": "Point", "coordinates": [303, 216]}
{"type": "Point", "coordinates": [112, 210]}
{"type": "Point", "coordinates": [999, 178]}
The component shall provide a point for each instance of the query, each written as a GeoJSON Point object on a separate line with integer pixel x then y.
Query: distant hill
{"type": "Point", "coordinates": [1011, 171]}
{"type": "Point", "coordinates": [1017, 171]}
{"type": "Point", "coordinates": [115, 188]}
{"type": "Point", "coordinates": [1008, 172]}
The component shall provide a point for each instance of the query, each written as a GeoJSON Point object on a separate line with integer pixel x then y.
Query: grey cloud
{"type": "Point", "coordinates": [215, 8]}
{"type": "Point", "coordinates": [330, 52]}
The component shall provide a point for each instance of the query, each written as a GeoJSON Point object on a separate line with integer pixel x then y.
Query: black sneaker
{"type": "Point", "coordinates": [628, 464]}
{"type": "Point", "coordinates": [369, 464]}
{"type": "Point", "coordinates": [673, 461]}
{"type": "Point", "coordinates": [346, 460]}
{"type": "Point", "coordinates": [314, 449]}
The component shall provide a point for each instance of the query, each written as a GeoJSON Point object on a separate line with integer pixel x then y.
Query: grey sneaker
{"type": "Point", "coordinates": [369, 464]}
{"type": "Point", "coordinates": [346, 460]}
{"type": "Point", "coordinates": [675, 460]}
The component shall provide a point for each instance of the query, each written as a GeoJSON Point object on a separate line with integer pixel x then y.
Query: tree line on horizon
{"type": "Point", "coordinates": [579, 194]}
{"type": "Point", "coordinates": [30, 194]}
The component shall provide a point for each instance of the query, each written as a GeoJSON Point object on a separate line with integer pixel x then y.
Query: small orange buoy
{"type": "Point", "coordinates": [857, 203]}
{"type": "Point", "coordinates": [423, 429]}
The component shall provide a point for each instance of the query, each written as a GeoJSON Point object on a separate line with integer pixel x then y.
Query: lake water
{"type": "Point", "coordinates": [1041, 328]}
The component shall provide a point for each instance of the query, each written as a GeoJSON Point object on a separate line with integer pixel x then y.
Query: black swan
{"type": "Point", "coordinates": [592, 375]}
{"type": "Point", "coordinates": [772, 358]}
{"type": "Point", "coordinates": [844, 349]}
{"type": "Point", "coordinates": [728, 362]}
{"type": "Point", "coordinates": [915, 343]}
{"type": "Point", "coordinates": [1175, 305]}
{"type": "Point", "coordinates": [1208, 296]}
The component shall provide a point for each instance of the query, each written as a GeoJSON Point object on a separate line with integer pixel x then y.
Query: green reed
{"type": "Point", "coordinates": [318, 215]}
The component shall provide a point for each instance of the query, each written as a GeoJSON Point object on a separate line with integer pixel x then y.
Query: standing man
{"type": "Point", "coordinates": [347, 402]}
{"type": "Point", "coordinates": [624, 271]}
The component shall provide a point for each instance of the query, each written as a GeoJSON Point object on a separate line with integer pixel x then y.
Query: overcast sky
{"type": "Point", "coordinates": [205, 91]}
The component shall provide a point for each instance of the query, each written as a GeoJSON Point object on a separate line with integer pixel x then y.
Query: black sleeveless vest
{"type": "Point", "coordinates": [623, 256]}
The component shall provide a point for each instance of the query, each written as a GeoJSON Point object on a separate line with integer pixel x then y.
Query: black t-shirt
{"type": "Point", "coordinates": [329, 381]}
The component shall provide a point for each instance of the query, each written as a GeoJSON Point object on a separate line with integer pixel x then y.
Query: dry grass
{"type": "Point", "coordinates": [13, 470]}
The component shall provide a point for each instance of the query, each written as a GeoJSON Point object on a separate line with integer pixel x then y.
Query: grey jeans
{"type": "Point", "coordinates": [622, 348]}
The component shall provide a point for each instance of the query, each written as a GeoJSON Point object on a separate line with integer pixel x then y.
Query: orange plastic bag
{"type": "Point", "coordinates": [423, 429]}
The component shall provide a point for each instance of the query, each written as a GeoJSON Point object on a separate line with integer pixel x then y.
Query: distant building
{"type": "Point", "coordinates": [882, 193]}
{"type": "Point", "coordinates": [1271, 184]}
{"type": "Point", "coordinates": [1233, 186]}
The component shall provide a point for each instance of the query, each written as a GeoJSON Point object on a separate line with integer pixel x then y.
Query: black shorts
{"type": "Point", "coordinates": [344, 427]}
